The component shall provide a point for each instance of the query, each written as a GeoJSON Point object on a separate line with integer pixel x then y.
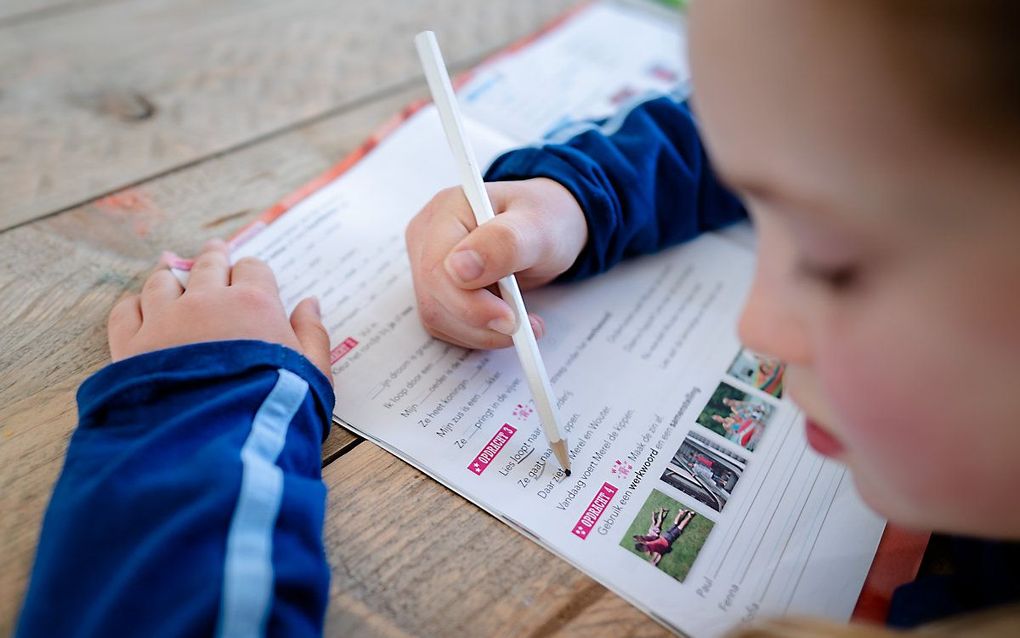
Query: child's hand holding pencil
{"type": "Point", "coordinates": [538, 232]}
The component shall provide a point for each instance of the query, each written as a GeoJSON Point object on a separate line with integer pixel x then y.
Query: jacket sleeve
{"type": "Point", "coordinates": [642, 178]}
{"type": "Point", "coordinates": [191, 500]}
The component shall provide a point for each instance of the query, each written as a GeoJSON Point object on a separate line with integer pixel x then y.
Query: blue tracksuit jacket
{"type": "Point", "coordinates": [641, 177]}
{"type": "Point", "coordinates": [190, 502]}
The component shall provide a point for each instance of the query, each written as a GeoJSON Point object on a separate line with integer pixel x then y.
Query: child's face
{"type": "Point", "coordinates": [888, 259]}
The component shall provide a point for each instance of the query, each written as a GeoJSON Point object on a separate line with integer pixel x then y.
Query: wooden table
{"type": "Point", "coordinates": [127, 128]}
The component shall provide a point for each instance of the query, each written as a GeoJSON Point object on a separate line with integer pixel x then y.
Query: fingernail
{"type": "Point", "coordinates": [465, 265]}
{"type": "Point", "coordinates": [214, 244]}
{"type": "Point", "coordinates": [172, 260]}
{"type": "Point", "coordinates": [538, 326]}
{"type": "Point", "coordinates": [503, 325]}
{"type": "Point", "coordinates": [316, 308]}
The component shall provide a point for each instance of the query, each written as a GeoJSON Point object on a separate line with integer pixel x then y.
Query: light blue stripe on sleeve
{"type": "Point", "coordinates": [248, 569]}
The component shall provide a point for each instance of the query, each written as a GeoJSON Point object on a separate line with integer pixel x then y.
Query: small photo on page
{"type": "Point", "coordinates": [736, 416]}
{"type": "Point", "coordinates": [667, 535]}
{"type": "Point", "coordinates": [764, 373]}
{"type": "Point", "coordinates": [704, 471]}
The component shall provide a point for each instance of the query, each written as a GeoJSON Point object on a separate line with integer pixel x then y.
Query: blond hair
{"type": "Point", "coordinates": [962, 57]}
{"type": "Point", "coordinates": [998, 622]}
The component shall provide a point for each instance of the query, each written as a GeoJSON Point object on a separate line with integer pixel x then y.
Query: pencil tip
{"type": "Point", "coordinates": [566, 472]}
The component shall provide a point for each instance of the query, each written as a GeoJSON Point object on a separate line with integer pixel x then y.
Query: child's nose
{"type": "Point", "coordinates": [771, 327]}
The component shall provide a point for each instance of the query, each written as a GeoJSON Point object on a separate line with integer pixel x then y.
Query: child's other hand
{"type": "Point", "coordinates": [538, 232]}
{"type": "Point", "coordinates": [221, 303]}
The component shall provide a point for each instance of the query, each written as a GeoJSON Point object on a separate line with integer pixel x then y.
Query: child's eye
{"type": "Point", "coordinates": [838, 278]}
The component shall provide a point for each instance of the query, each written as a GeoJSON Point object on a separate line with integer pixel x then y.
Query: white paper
{"type": "Point", "coordinates": [635, 356]}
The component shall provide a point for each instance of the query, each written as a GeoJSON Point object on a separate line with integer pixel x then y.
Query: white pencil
{"type": "Point", "coordinates": [474, 188]}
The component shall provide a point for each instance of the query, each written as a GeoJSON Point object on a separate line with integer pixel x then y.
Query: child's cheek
{"type": "Point", "coordinates": [890, 422]}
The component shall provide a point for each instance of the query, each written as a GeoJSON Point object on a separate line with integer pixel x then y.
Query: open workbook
{"type": "Point", "coordinates": [693, 493]}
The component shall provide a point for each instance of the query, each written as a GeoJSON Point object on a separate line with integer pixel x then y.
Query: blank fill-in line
{"type": "Point", "coordinates": [816, 526]}
{"type": "Point", "coordinates": [793, 530]}
{"type": "Point", "coordinates": [778, 499]}
{"type": "Point", "coordinates": [750, 503]}
{"type": "Point", "coordinates": [803, 566]}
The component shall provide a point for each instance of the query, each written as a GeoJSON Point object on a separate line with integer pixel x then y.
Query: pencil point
{"type": "Point", "coordinates": [559, 448]}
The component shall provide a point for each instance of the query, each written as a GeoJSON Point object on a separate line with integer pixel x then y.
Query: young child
{"type": "Point", "coordinates": [876, 146]}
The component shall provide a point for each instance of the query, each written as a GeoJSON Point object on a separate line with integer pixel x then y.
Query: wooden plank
{"type": "Point", "coordinates": [411, 558]}
{"type": "Point", "coordinates": [339, 442]}
{"type": "Point", "coordinates": [104, 97]}
{"type": "Point", "coordinates": [60, 276]}
{"type": "Point", "coordinates": [12, 11]}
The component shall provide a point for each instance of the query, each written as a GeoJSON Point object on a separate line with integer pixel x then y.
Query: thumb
{"type": "Point", "coordinates": [509, 243]}
{"type": "Point", "coordinates": [312, 335]}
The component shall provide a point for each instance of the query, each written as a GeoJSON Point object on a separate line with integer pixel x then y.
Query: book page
{"type": "Point", "coordinates": [693, 494]}
{"type": "Point", "coordinates": [596, 63]}
{"type": "Point", "coordinates": [638, 359]}
{"type": "Point", "coordinates": [345, 242]}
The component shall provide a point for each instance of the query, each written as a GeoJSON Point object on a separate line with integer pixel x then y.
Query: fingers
{"type": "Point", "coordinates": [473, 339]}
{"type": "Point", "coordinates": [504, 245]}
{"type": "Point", "coordinates": [158, 291]}
{"type": "Point", "coordinates": [211, 268]}
{"type": "Point", "coordinates": [451, 318]}
{"type": "Point", "coordinates": [466, 317]}
{"type": "Point", "coordinates": [482, 309]}
{"type": "Point", "coordinates": [452, 262]}
{"type": "Point", "coordinates": [124, 321]}
{"type": "Point", "coordinates": [488, 341]}
{"type": "Point", "coordinates": [254, 273]}
{"type": "Point", "coordinates": [474, 316]}
{"type": "Point", "coordinates": [312, 335]}
{"type": "Point", "coordinates": [444, 232]}
{"type": "Point", "coordinates": [215, 245]}
{"type": "Point", "coordinates": [537, 325]}
{"type": "Point", "coordinates": [441, 225]}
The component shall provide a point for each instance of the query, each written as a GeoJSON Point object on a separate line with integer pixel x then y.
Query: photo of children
{"type": "Point", "coordinates": [704, 471]}
{"type": "Point", "coordinates": [667, 535]}
{"type": "Point", "coordinates": [764, 373]}
{"type": "Point", "coordinates": [736, 416]}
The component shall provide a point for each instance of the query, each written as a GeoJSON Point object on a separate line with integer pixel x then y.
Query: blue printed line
{"type": "Point", "coordinates": [248, 568]}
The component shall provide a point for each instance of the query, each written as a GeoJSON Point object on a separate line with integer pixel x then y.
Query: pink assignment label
{"type": "Point", "coordinates": [492, 448]}
{"type": "Point", "coordinates": [594, 512]}
{"type": "Point", "coordinates": [345, 346]}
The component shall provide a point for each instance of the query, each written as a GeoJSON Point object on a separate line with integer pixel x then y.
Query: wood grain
{"type": "Point", "coordinates": [60, 276]}
{"type": "Point", "coordinates": [339, 442]}
{"type": "Point", "coordinates": [112, 94]}
{"type": "Point", "coordinates": [411, 558]}
{"type": "Point", "coordinates": [20, 11]}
